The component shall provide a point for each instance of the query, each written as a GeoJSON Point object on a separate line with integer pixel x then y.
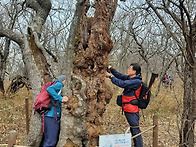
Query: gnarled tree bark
{"type": "Point", "coordinates": [82, 118]}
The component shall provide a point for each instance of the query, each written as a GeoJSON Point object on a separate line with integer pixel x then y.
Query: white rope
{"type": "Point", "coordinates": [142, 132]}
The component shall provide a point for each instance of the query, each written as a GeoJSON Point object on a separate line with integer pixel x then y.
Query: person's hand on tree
{"type": "Point", "coordinates": [65, 99]}
{"type": "Point", "coordinates": [109, 68]}
{"type": "Point", "coordinates": [107, 75]}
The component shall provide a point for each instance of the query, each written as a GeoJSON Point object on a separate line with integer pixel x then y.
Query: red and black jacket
{"type": "Point", "coordinates": [130, 86]}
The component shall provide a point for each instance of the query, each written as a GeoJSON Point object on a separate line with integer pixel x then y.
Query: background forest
{"type": "Point", "coordinates": [159, 35]}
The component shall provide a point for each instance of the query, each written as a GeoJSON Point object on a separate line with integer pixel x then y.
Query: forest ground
{"type": "Point", "coordinates": [167, 106]}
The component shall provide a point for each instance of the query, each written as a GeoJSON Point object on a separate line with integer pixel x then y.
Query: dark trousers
{"type": "Point", "coordinates": [133, 120]}
{"type": "Point", "coordinates": [51, 131]}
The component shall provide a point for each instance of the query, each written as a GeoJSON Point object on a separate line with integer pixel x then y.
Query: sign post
{"type": "Point", "coordinates": [116, 140]}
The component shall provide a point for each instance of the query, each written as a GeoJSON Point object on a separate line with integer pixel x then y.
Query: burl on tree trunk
{"type": "Point", "coordinates": [93, 43]}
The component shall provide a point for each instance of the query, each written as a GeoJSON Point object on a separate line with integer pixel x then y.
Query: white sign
{"type": "Point", "coordinates": [116, 140]}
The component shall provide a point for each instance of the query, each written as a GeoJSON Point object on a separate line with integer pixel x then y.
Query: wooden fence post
{"type": "Point", "coordinates": [155, 131]}
{"type": "Point", "coordinates": [12, 138]}
{"type": "Point", "coordinates": [27, 114]}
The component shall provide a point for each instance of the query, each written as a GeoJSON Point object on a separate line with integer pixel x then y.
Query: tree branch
{"type": "Point", "coordinates": [42, 8]}
{"type": "Point", "coordinates": [173, 15]}
{"type": "Point", "coordinates": [11, 35]}
{"type": "Point", "coordinates": [169, 30]}
{"type": "Point", "coordinates": [187, 35]}
{"type": "Point", "coordinates": [40, 46]}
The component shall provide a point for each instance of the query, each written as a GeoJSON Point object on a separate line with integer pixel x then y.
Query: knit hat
{"type": "Point", "coordinates": [61, 78]}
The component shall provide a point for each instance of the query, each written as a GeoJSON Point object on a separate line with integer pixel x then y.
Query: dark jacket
{"type": "Point", "coordinates": [130, 86]}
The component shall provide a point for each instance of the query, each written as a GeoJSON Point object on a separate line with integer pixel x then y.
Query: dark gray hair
{"type": "Point", "coordinates": [136, 67]}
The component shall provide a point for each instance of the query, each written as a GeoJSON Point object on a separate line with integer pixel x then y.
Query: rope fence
{"type": "Point", "coordinates": [13, 134]}
{"type": "Point", "coordinates": [155, 131]}
{"type": "Point", "coordinates": [142, 132]}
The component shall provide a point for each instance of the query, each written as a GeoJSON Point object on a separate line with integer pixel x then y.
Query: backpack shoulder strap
{"type": "Point", "coordinates": [139, 87]}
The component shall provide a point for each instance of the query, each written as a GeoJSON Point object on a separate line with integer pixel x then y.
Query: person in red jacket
{"type": "Point", "coordinates": [131, 84]}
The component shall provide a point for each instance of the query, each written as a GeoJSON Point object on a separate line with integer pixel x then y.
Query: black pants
{"type": "Point", "coordinates": [51, 131]}
{"type": "Point", "coordinates": [133, 120]}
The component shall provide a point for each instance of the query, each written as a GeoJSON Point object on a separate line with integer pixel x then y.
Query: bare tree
{"type": "Point", "coordinates": [33, 57]}
{"type": "Point", "coordinates": [181, 12]}
{"type": "Point", "coordinates": [12, 12]}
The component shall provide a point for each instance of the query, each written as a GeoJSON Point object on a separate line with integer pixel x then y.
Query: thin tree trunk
{"type": "Point", "coordinates": [4, 57]}
{"type": "Point", "coordinates": [2, 74]}
{"type": "Point", "coordinates": [189, 101]}
{"type": "Point", "coordinates": [188, 120]}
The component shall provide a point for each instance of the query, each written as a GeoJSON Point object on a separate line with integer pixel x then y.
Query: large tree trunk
{"type": "Point", "coordinates": [82, 119]}
{"type": "Point", "coordinates": [34, 136]}
{"type": "Point", "coordinates": [67, 119]}
{"type": "Point", "coordinates": [68, 63]}
{"type": "Point", "coordinates": [36, 63]}
{"type": "Point", "coordinates": [36, 75]}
